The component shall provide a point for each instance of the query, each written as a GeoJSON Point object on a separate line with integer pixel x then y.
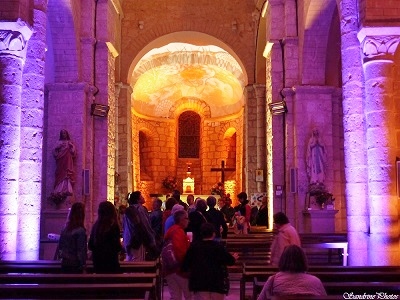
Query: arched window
{"type": "Point", "coordinates": [189, 135]}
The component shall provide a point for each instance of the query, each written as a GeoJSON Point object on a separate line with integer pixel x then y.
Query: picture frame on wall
{"type": "Point", "coordinates": [259, 175]}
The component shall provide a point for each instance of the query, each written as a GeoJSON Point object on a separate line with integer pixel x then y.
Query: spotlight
{"type": "Point", "coordinates": [278, 108]}
{"type": "Point", "coordinates": [99, 110]}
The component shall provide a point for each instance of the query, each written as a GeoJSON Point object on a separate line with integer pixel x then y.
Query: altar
{"type": "Point", "coordinates": [183, 196]}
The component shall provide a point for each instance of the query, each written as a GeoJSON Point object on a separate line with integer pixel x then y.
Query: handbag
{"type": "Point", "coordinates": [168, 258]}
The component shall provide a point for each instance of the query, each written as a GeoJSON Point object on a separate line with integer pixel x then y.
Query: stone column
{"type": "Point", "coordinates": [250, 145]}
{"type": "Point", "coordinates": [13, 41]}
{"type": "Point", "coordinates": [124, 140]}
{"type": "Point", "coordinates": [354, 139]}
{"type": "Point", "coordinates": [261, 141]}
{"type": "Point", "coordinates": [380, 113]}
{"type": "Point", "coordinates": [32, 112]}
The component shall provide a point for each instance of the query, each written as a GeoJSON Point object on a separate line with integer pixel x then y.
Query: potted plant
{"type": "Point", "coordinates": [217, 189]}
{"type": "Point", "coordinates": [170, 183]}
{"type": "Point", "coordinates": [320, 193]}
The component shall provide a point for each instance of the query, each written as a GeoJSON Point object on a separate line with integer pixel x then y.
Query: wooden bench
{"type": "Point", "coordinates": [77, 291]}
{"type": "Point", "coordinates": [52, 266]}
{"type": "Point", "coordinates": [325, 273]}
{"type": "Point", "coordinates": [320, 248]}
{"type": "Point", "coordinates": [341, 288]}
{"type": "Point", "coordinates": [88, 279]}
{"type": "Point", "coordinates": [337, 283]}
{"type": "Point", "coordinates": [49, 272]}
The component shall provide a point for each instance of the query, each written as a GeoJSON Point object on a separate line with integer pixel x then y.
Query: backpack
{"type": "Point", "coordinates": [169, 261]}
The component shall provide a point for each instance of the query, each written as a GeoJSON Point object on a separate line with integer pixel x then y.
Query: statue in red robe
{"type": "Point", "coordinates": [64, 153]}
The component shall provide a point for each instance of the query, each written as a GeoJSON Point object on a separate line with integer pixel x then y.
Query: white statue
{"type": "Point", "coordinates": [316, 158]}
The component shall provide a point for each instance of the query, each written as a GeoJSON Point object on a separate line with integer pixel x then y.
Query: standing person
{"type": "Point", "coordinates": [169, 204]}
{"type": "Point", "coordinates": [207, 261]}
{"type": "Point", "coordinates": [196, 218]}
{"type": "Point", "coordinates": [177, 280]}
{"type": "Point", "coordinates": [64, 154]}
{"type": "Point", "coordinates": [292, 279]}
{"type": "Point", "coordinates": [177, 195]}
{"type": "Point", "coordinates": [262, 215]}
{"type": "Point", "coordinates": [138, 234]}
{"type": "Point", "coordinates": [287, 235]}
{"type": "Point", "coordinates": [104, 241]}
{"type": "Point", "coordinates": [244, 210]}
{"type": "Point", "coordinates": [228, 211]}
{"type": "Point", "coordinates": [156, 220]}
{"type": "Point", "coordinates": [170, 220]}
{"type": "Point", "coordinates": [216, 218]}
{"type": "Point", "coordinates": [72, 246]}
{"type": "Point", "coordinates": [190, 202]}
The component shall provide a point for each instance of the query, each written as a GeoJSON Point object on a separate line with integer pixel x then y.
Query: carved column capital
{"type": "Point", "coordinates": [14, 37]}
{"type": "Point", "coordinates": [379, 47]}
{"type": "Point", "coordinates": [379, 42]}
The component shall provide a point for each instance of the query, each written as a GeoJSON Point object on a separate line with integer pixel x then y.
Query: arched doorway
{"type": "Point", "coordinates": [202, 86]}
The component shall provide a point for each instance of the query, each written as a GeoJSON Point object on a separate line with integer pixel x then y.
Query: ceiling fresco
{"type": "Point", "coordinates": [164, 77]}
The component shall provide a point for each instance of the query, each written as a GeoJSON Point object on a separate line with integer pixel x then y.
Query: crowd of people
{"type": "Point", "coordinates": [194, 229]}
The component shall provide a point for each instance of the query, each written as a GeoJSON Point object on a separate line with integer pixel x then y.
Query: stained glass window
{"type": "Point", "coordinates": [189, 135]}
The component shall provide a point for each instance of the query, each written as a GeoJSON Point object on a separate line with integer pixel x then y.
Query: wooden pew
{"type": "Point", "coordinates": [77, 291]}
{"type": "Point", "coordinates": [345, 289]}
{"type": "Point", "coordinates": [52, 266]}
{"type": "Point", "coordinates": [50, 272]}
{"type": "Point", "coordinates": [320, 248]}
{"type": "Point", "coordinates": [28, 278]}
{"type": "Point", "coordinates": [325, 273]}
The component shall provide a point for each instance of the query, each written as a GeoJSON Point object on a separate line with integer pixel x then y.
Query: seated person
{"type": "Point", "coordinates": [292, 279]}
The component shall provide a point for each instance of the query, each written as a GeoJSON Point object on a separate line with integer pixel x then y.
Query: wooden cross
{"type": "Point", "coordinates": [222, 170]}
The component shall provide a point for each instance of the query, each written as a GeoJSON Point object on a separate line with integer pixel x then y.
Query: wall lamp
{"type": "Point", "coordinates": [278, 108]}
{"type": "Point", "coordinates": [99, 110]}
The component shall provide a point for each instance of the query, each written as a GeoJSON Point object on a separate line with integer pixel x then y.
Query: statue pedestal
{"type": "Point", "coordinates": [319, 220]}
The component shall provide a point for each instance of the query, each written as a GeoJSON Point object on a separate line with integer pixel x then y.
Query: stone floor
{"type": "Point", "coordinates": [233, 293]}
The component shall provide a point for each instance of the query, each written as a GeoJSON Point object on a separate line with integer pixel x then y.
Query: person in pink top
{"type": "Point", "coordinates": [292, 279]}
{"type": "Point", "coordinates": [286, 235]}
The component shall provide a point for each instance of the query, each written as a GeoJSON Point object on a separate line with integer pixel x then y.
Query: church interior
{"type": "Point", "coordinates": [271, 97]}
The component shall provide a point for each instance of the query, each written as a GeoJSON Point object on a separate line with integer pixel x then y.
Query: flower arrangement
{"type": "Point", "coordinates": [217, 189]}
{"type": "Point", "coordinates": [58, 198]}
{"type": "Point", "coordinates": [170, 183]}
{"type": "Point", "coordinates": [319, 191]}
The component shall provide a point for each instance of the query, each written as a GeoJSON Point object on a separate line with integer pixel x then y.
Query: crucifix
{"type": "Point", "coordinates": [222, 170]}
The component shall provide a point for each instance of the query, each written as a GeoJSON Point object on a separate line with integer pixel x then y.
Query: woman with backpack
{"type": "Point", "coordinates": [177, 281]}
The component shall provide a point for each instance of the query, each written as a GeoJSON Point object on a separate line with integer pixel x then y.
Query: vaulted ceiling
{"type": "Point", "coordinates": [166, 75]}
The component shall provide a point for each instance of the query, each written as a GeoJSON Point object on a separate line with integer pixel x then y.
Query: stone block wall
{"type": "Point", "coordinates": [220, 140]}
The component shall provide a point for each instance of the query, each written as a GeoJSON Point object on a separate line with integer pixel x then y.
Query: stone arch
{"type": "Point", "coordinates": [197, 105]}
{"type": "Point", "coordinates": [229, 142]}
{"type": "Point", "coordinates": [192, 37]}
{"type": "Point", "coordinates": [316, 35]}
{"type": "Point", "coordinates": [146, 135]}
